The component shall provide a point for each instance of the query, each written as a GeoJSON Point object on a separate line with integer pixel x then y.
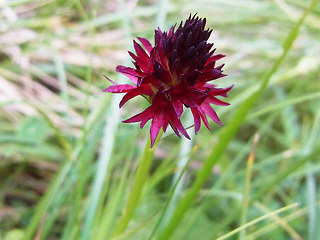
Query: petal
{"type": "Point", "coordinates": [175, 130]}
{"type": "Point", "coordinates": [209, 75]}
{"type": "Point", "coordinates": [191, 98]}
{"type": "Point", "coordinates": [149, 79]}
{"type": "Point", "coordinates": [197, 121]}
{"type": "Point", "coordinates": [129, 72]}
{"type": "Point", "coordinates": [216, 57]}
{"type": "Point", "coordinates": [143, 90]}
{"type": "Point", "coordinates": [213, 91]}
{"type": "Point", "coordinates": [138, 117]}
{"type": "Point", "coordinates": [196, 96]}
{"type": "Point", "coordinates": [203, 117]}
{"type": "Point", "coordinates": [139, 62]}
{"type": "Point", "coordinates": [217, 101]}
{"type": "Point", "coordinates": [211, 112]}
{"type": "Point", "coordinates": [160, 56]}
{"type": "Point", "coordinates": [175, 123]}
{"type": "Point", "coordinates": [178, 125]}
{"type": "Point", "coordinates": [141, 58]}
{"type": "Point", "coordinates": [160, 100]}
{"type": "Point", "coordinates": [114, 83]}
{"type": "Point", "coordinates": [146, 44]}
{"type": "Point", "coordinates": [220, 67]}
{"type": "Point", "coordinates": [178, 107]}
{"type": "Point", "coordinates": [142, 117]}
{"type": "Point", "coordinates": [160, 73]}
{"type": "Point", "coordinates": [141, 54]}
{"type": "Point", "coordinates": [150, 113]}
{"type": "Point", "coordinates": [156, 124]}
{"type": "Point", "coordinates": [119, 88]}
{"type": "Point", "coordinates": [191, 78]}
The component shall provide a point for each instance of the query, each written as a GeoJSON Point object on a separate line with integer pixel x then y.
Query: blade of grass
{"type": "Point", "coordinates": [185, 154]}
{"type": "Point", "coordinates": [162, 13]}
{"type": "Point", "coordinates": [309, 152]}
{"type": "Point", "coordinates": [245, 201]}
{"type": "Point", "coordinates": [132, 231]}
{"type": "Point", "coordinates": [46, 200]}
{"type": "Point", "coordinates": [230, 131]}
{"type": "Point", "coordinates": [280, 222]}
{"type": "Point", "coordinates": [63, 85]}
{"type": "Point", "coordinates": [283, 104]}
{"type": "Point", "coordinates": [114, 192]}
{"type": "Point", "coordinates": [110, 129]}
{"type": "Point", "coordinates": [299, 213]}
{"type": "Point", "coordinates": [105, 151]}
{"type": "Point", "coordinates": [83, 162]}
{"type": "Point", "coordinates": [86, 156]}
{"type": "Point", "coordinates": [57, 182]}
{"type": "Point", "coordinates": [171, 197]}
{"type": "Point", "coordinates": [274, 182]}
{"type": "Point", "coordinates": [59, 135]}
{"type": "Point", "coordinates": [299, 160]}
{"type": "Point", "coordinates": [311, 199]}
{"type": "Point", "coordinates": [110, 212]}
{"type": "Point", "coordinates": [54, 209]}
{"type": "Point", "coordinates": [16, 3]}
{"type": "Point", "coordinates": [229, 234]}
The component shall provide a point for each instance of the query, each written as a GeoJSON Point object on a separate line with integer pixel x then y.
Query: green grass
{"type": "Point", "coordinates": [68, 164]}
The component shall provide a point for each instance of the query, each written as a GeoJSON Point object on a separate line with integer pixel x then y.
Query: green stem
{"type": "Point", "coordinates": [139, 182]}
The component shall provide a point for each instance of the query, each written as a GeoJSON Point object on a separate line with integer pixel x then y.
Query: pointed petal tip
{"type": "Point", "coordinates": [188, 137]}
{"type": "Point", "coordinates": [185, 133]}
{"type": "Point", "coordinates": [119, 67]}
{"type": "Point", "coordinates": [109, 80]}
{"type": "Point", "coordinates": [219, 123]}
{"type": "Point", "coordinates": [152, 142]}
{"type": "Point", "coordinates": [145, 42]}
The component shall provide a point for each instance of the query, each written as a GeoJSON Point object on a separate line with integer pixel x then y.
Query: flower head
{"type": "Point", "coordinates": [172, 75]}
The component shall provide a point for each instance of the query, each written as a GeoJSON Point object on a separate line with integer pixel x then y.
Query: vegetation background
{"type": "Point", "coordinates": [67, 163]}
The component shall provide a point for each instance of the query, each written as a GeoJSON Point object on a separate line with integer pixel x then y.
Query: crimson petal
{"type": "Point", "coordinates": [210, 112]}
{"type": "Point", "coordinates": [209, 75]}
{"type": "Point", "coordinates": [135, 92]}
{"type": "Point", "coordinates": [129, 72]}
{"type": "Point", "coordinates": [156, 124]}
{"type": "Point", "coordinates": [197, 121]}
{"type": "Point", "coordinates": [119, 88]}
{"type": "Point", "coordinates": [146, 44]}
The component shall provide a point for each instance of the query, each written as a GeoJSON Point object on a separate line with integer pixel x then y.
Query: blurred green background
{"type": "Point", "coordinates": [67, 162]}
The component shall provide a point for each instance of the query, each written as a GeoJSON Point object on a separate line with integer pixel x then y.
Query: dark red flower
{"type": "Point", "coordinates": [172, 75]}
